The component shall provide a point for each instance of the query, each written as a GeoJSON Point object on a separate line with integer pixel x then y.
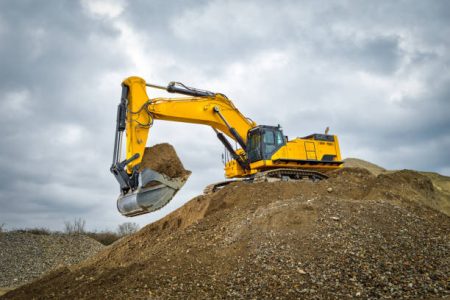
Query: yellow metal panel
{"type": "Point", "coordinates": [310, 146]}
{"type": "Point", "coordinates": [138, 120]}
{"type": "Point", "coordinates": [310, 150]}
{"type": "Point", "coordinates": [200, 110]}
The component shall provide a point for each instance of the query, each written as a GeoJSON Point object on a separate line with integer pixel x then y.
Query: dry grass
{"type": "Point", "coordinates": [104, 237]}
{"type": "Point", "coordinates": [37, 231]}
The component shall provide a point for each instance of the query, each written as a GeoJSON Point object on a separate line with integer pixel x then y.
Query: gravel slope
{"type": "Point", "coordinates": [26, 256]}
{"type": "Point", "coordinates": [354, 235]}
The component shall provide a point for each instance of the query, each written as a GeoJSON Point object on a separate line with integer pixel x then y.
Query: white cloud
{"type": "Point", "coordinates": [144, 57]}
{"type": "Point", "coordinates": [212, 19]}
{"type": "Point", "coordinates": [68, 135]}
{"type": "Point", "coordinates": [15, 104]}
{"type": "Point", "coordinates": [104, 8]}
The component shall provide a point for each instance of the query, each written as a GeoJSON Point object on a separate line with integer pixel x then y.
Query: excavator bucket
{"type": "Point", "coordinates": [149, 177]}
{"type": "Point", "coordinates": [155, 191]}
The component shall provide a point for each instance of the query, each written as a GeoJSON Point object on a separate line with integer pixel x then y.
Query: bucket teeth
{"type": "Point", "coordinates": [154, 192]}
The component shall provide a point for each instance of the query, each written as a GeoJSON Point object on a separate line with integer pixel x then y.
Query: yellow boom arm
{"type": "Point", "coordinates": [215, 110]}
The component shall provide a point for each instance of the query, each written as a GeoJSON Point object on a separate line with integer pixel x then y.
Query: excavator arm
{"type": "Point", "coordinates": [206, 108]}
{"type": "Point", "coordinates": [136, 114]}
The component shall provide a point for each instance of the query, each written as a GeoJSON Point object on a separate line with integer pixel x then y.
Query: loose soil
{"type": "Point", "coordinates": [440, 183]}
{"type": "Point", "coordinates": [163, 159]}
{"type": "Point", "coordinates": [353, 235]}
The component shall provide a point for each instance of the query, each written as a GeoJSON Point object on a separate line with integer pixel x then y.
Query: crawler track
{"type": "Point", "coordinates": [270, 176]}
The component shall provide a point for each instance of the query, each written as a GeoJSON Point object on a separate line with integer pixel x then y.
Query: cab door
{"type": "Point", "coordinates": [254, 152]}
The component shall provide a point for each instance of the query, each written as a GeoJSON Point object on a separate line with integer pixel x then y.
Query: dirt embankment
{"type": "Point", "coordinates": [359, 163]}
{"type": "Point", "coordinates": [441, 184]}
{"type": "Point", "coordinates": [353, 235]}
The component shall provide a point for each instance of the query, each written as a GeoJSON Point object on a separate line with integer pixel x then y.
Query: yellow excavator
{"type": "Point", "coordinates": [264, 152]}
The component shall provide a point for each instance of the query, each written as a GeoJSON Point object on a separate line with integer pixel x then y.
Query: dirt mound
{"type": "Point", "coordinates": [26, 256]}
{"type": "Point", "coordinates": [162, 158]}
{"type": "Point", "coordinates": [437, 185]}
{"type": "Point", "coordinates": [353, 235]}
{"type": "Point", "coordinates": [359, 163]}
{"type": "Point", "coordinates": [441, 185]}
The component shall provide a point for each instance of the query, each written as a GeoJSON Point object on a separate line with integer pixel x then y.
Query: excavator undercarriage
{"type": "Point", "coordinates": [270, 176]}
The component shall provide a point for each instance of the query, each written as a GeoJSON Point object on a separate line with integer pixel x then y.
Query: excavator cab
{"type": "Point", "coordinates": [263, 141]}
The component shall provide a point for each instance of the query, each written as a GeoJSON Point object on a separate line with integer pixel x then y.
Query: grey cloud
{"type": "Point", "coordinates": [376, 54]}
{"type": "Point", "coordinates": [54, 54]}
{"type": "Point", "coordinates": [305, 65]}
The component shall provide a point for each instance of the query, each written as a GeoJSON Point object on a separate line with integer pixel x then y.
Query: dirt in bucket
{"type": "Point", "coordinates": [163, 159]}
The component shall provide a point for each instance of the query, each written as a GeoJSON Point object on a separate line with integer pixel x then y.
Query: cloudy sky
{"type": "Point", "coordinates": [376, 72]}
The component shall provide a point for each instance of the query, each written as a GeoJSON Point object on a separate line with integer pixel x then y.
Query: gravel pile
{"type": "Point", "coordinates": [26, 256]}
{"type": "Point", "coordinates": [355, 235]}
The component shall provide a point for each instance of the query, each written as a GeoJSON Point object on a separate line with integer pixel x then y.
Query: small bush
{"type": "Point", "coordinates": [127, 228]}
{"type": "Point", "coordinates": [104, 237]}
{"type": "Point", "coordinates": [77, 226]}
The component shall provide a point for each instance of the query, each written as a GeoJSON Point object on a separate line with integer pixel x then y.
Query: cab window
{"type": "Point", "coordinates": [269, 137]}
{"type": "Point", "coordinates": [269, 143]}
{"type": "Point", "coordinates": [279, 138]}
{"type": "Point", "coordinates": [254, 142]}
